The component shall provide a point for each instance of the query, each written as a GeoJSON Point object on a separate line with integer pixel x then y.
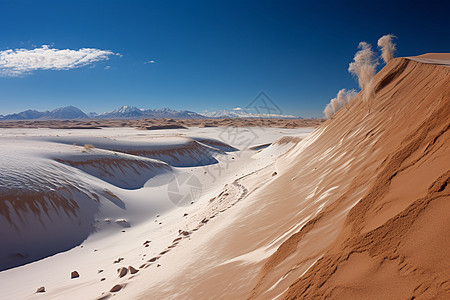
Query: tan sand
{"type": "Point", "coordinates": [358, 210]}
{"type": "Point", "coordinates": [157, 124]}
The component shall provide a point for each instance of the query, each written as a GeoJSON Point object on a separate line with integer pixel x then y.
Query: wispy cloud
{"type": "Point", "coordinates": [237, 108]}
{"type": "Point", "coordinates": [150, 62]}
{"type": "Point", "coordinates": [19, 62]}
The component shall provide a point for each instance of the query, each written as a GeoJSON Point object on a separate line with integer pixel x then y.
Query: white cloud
{"type": "Point", "coordinates": [107, 67]}
{"type": "Point", "coordinates": [237, 108]}
{"type": "Point", "coordinates": [150, 62]}
{"type": "Point", "coordinates": [19, 62]}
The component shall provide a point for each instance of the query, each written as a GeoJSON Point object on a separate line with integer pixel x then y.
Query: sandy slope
{"type": "Point", "coordinates": [389, 210]}
{"type": "Point", "coordinates": [161, 124]}
{"type": "Point", "coordinates": [115, 198]}
{"type": "Point", "coordinates": [356, 210]}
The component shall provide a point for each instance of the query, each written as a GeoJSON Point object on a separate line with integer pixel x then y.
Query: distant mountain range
{"type": "Point", "coordinates": [244, 114]}
{"type": "Point", "coordinates": [130, 112]}
{"type": "Point", "coordinates": [68, 112]}
{"type": "Point", "coordinates": [134, 112]}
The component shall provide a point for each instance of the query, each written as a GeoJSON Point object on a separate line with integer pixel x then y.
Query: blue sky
{"type": "Point", "coordinates": [208, 55]}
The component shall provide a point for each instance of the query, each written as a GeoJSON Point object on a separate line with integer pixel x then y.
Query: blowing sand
{"type": "Point", "coordinates": [354, 209]}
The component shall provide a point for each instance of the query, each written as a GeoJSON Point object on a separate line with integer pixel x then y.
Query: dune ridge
{"type": "Point", "coordinates": [409, 127]}
{"type": "Point", "coordinates": [357, 209]}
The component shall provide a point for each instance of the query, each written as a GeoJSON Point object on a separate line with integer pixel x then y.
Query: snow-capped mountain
{"type": "Point", "coordinates": [122, 112]}
{"type": "Point", "coordinates": [68, 112]}
{"type": "Point", "coordinates": [134, 112]}
{"type": "Point", "coordinates": [244, 114]}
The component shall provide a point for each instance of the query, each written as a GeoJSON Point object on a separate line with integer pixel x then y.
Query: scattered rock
{"type": "Point", "coordinates": [123, 230]}
{"type": "Point", "coordinates": [185, 215]}
{"type": "Point", "coordinates": [116, 288]}
{"type": "Point", "coordinates": [274, 173]}
{"type": "Point", "coordinates": [132, 270]}
{"type": "Point", "coordinates": [41, 290]}
{"type": "Point", "coordinates": [153, 259]}
{"type": "Point", "coordinates": [146, 242]}
{"type": "Point", "coordinates": [158, 265]}
{"type": "Point", "coordinates": [99, 271]}
{"type": "Point", "coordinates": [146, 245]}
{"type": "Point", "coordinates": [205, 220]}
{"type": "Point", "coordinates": [124, 223]}
{"type": "Point", "coordinates": [177, 239]}
{"type": "Point", "coordinates": [118, 260]}
{"type": "Point", "coordinates": [103, 279]}
{"type": "Point", "coordinates": [74, 274]}
{"type": "Point", "coordinates": [122, 272]}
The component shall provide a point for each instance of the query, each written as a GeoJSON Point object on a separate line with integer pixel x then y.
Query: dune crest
{"type": "Point", "coordinates": [378, 248]}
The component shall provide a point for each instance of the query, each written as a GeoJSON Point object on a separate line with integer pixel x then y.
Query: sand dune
{"type": "Point", "coordinates": [357, 209]}
{"type": "Point", "coordinates": [161, 124]}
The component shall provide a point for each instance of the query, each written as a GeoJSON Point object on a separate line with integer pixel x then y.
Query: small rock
{"type": "Point", "coordinates": [158, 265]}
{"type": "Point", "coordinates": [153, 259]}
{"type": "Point", "coordinates": [104, 296]}
{"type": "Point", "coordinates": [274, 173]}
{"type": "Point", "coordinates": [146, 245]}
{"type": "Point", "coordinates": [122, 272]}
{"type": "Point", "coordinates": [123, 223]}
{"type": "Point", "coordinates": [118, 260]}
{"type": "Point", "coordinates": [99, 271]}
{"type": "Point", "coordinates": [185, 215]}
{"type": "Point", "coordinates": [40, 290]}
{"type": "Point", "coordinates": [146, 242]}
{"type": "Point", "coordinates": [116, 288]}
{"type": "Point", "coordinates": [74, 274]}
{"type": "Point", "coordinates": [103, 279]}
{"type": "Point", "coordinates": [132, 270]}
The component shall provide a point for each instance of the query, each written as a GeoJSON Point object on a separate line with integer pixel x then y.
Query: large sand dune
{"type": "Point", "coordinates": [358, 209]}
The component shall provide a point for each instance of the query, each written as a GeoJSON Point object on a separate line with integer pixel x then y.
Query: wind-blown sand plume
{"type": "Point", "coordinates": [358, 209]}
{"type": "Point", "coordinates": [387, 47]}
{"type": "Point", "coordinates": [343, 98]}
{"type": "Point", "coordinates": [364, 68]}
{"type": "Point", "coordinates": [384, 247]}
